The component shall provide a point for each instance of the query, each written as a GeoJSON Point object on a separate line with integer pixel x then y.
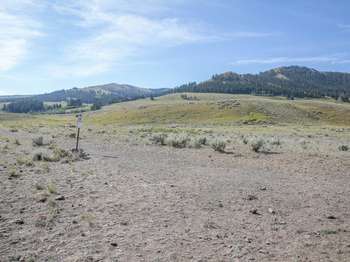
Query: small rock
{"type": "Point", "coordinates": [221, 205]}
{"type": "Point", "coordinates": [14, 242]}
{"type": "Point", "coordinates": [75, 222]}
{"type": "Point", "coordinates": [254, 211]}
{"type": "Point", "coordinates": [331, 217]}
{"type": "Point", "coordinates": [18, 221]}
{"type": "Point", "coordinates": [60, 198]}
{"type": "Point", "coordinates": [249, 240]}
{"type": "Point", "coordinates": [263, 188]}
{"type": "Point", "coordinates": [124, 223]}
{"type": "Point", "coordinates": [113, 244]}
{"type": "Point", "coordinates": [251, 197]}
{"type": "Point", "coordinates": [271, 211]}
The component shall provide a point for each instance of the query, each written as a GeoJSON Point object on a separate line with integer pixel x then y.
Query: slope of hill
{"type": "Point", "coordinates": [224, 110]}
{"type": "Point", "coordinates": [215, 110]}
{"type": "Point", "coordinates": [292, 81]}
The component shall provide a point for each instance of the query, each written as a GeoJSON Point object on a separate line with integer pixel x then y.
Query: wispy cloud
{"type": "Point", "coordinates": [122, 30]}
{"type": "Point", "coordinates": [344, 26]}
{"type": "Point", "coordinates": [249, 34]}
{"type": "Point", "coordinates": [110, 32]}
{"type": "Point", "coordinates": [284, 60]}
{"type": "Point", "coordinates": [119, 31]}
{"type": "Point", "coordinates": [16, 33]}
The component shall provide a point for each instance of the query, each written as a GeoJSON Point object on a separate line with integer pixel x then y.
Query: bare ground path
{"type": "Point", "coordinates": [151, 203]}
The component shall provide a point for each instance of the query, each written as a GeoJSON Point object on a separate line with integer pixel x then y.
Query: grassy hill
{"type": "Point", "coordinates": [205, 110]}
{"type": "Point", "coordinates": [225, 109]}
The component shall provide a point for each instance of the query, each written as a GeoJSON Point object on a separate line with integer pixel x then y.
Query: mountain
{"type": "Point", "coordinates": [291, 81]}
{"type": "Point", "coordinates": [105, 94]}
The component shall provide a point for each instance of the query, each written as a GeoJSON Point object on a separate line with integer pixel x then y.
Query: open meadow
{"type": "Point", "coordinates": [195, 177]}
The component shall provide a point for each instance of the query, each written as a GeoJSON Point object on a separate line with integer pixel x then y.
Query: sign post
{"type": "Point", "coordinates": [79, 125]}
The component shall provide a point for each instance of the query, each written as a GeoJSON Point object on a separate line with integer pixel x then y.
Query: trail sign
{"type": "Point", "coordinates": [79, 120]}
{"type": "Point", "coordinates": [79, 125]}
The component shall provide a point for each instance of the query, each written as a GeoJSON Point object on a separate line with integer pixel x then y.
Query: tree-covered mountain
{"type": "Point", "coordinates": [105, 94]}
{"type": "Point", "coordinates": [97, 95]}
{"type": "Point", "coordinates": [291, 81]}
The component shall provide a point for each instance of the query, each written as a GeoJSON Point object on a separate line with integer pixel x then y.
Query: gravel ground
{"type": "Point", "coordinates": [137, 202]}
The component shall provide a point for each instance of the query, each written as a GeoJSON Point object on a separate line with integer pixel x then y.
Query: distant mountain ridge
{"type": "Point", "coordinates": [105, 94]}
{"type": "Point", "coordinates": [292, 81]}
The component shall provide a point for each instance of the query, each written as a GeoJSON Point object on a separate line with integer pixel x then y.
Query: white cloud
{"type": "Point", "coordinates": [127, 36]}
{"type": "Point", "coordinates": [121, 30]}
{"type": "Point", "coordinates": [112, 32]}
{"type": "Point", "coordinates": [16, 33]}
{"type": "Point", "coordinates": [282, 60]}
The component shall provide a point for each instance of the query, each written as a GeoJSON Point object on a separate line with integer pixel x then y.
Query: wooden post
{"type": "Point", "coordinates": [79, 124]}
{"type": "Point", "coordinates": [77, 145]}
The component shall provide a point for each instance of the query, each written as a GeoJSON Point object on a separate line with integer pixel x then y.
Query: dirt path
{"type": "Point", "coordinates": [150, 203]}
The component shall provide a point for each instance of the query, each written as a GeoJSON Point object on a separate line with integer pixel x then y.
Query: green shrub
{"type": "Point", "coordinates": [245, 140]}
{"type": "Point", "coordinates": [38, 141]}
{"type": "Point", "coordinates": [13, 173]}
{"type": "Point", "coordinates": [276, 142]}
{"type": "Point", "coordinates": [343, 148]}
{"type": "Point", "coordinates": [178, 141]}
{"type": "Point", "coordinates": [202, 140]}
{"type": "Point", "coordinates": [257, 145]}
{"type": "Point", "coordinates": [25, 161]}
{"type": "Point", "coordinates": [38, 156]}
{"type": "Point", "coordinates": [219, 145]}
{"type": "Point", "coordinates": [195, 143]}
{"type": "Point", "coordinates": [56, 155]}
{"type": "Point", "coordinates": [51, 188]}
{"type": "Point", "coordinates": [159, 139]}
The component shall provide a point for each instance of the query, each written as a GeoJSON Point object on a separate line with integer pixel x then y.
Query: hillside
{"type": "Point", "coordinates": [292, 81]}
{"type": "Point", "coordinates": [215, 110]}
{"type": "Point", "coordinates": [224, 110]}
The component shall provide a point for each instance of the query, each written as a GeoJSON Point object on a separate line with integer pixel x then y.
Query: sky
{"type": "Point", "coordinates": [46, 45]}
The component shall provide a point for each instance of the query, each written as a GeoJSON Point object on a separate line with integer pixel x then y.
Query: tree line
{"type": "Point", "coordinates": [291, 82]}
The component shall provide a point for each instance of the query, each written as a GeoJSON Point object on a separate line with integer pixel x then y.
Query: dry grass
{"type": "Point", "coordinates": [207, 110]}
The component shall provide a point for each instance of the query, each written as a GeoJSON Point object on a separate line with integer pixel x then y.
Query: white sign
{"type": "Point", "coordinates": [79, 120]}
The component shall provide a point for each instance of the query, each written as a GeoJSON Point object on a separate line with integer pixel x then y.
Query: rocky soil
{"type": "Point", "coordinates": [129, 201]}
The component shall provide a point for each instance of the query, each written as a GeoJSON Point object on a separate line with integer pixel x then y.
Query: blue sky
{"type": "Point", "coordinates": [59, 44]}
